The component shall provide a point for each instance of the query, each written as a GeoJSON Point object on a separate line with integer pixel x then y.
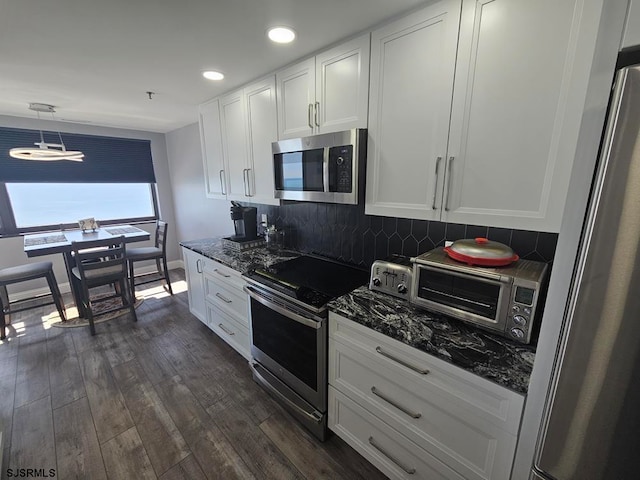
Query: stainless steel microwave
{"type": "Point", "coordinates": [321, 168]}
{"type": "Point", "coordinates": [505, 300]}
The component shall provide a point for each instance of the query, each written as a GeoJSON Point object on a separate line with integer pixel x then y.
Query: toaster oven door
{"type": "Point", "coordinates": [476, 299]}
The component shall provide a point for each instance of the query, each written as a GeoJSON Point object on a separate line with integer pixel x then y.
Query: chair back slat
{"type": "Point", "coordinates": [161, 235]}
{"type": "Point", "coordinates": [92, 258]}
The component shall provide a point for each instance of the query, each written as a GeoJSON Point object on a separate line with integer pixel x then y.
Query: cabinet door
{"type": "Point", "coordinates": [234, 146]}
{"type": "Point", "coordinates": [262, 120]}
{"type": "Point", "coordinates": [296, 97]}
{"type": "Point", "coordinates": [193, 268]}
{"type": "Point", "coordinates": [412, 67]}
{"type": "Point", "coordinates": [342, 87]}
{"type": "Point", "coordinates": [510, 111]}
{"type": "Point", "coordinates": [211, 142]}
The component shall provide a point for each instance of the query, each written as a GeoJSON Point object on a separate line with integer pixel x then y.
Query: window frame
{"type": "Point", "coordinates": [8, 226]}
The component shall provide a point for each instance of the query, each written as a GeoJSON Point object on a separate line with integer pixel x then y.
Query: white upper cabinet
{"type": "Point", "coordinates": [631, 37]}
{"type": "Point", "coordinates": [327, 93]}
{"type": "Point", "coordinates": [260, 103]}
{"type": "Point", "coordinates": [412, 69]}
{"type": "Point", "coordinates": [244, 123]}
{"type": "Point", "coordinates": [211, 142]}
{"type": "Point", "coordinates": [234, 144]}
{"type": "Point", "coordinates": [506, 154]}
{"type": "Point", "coordinates": [505, 167]}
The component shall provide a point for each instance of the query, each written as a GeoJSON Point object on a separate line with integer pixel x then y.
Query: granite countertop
{"type": "Point", "coordinates": [240, 261]}
{"type": "Point", "coordinates": [490, 356]}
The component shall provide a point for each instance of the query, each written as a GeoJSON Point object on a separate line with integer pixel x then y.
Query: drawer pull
{"type": "Point", "coordinates": [375, 445]}
{"type": "Point", "coordinates": [226, 330]}
{"type": "Point", "coordinates": [422, 371]}
{"type": "Point", "coordinates": [220, 273]}
{"type": "Point", "coordinates": [376, 392]}
{"type": "Point", "coordinates": [223, 298]}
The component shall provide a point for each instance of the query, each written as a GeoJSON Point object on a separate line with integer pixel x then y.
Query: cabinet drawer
{"type": "Point", "coordinates": [223, 273]}
{"type": "Point", "coordinates": [451, 385]}
{"type": "Point", "coordinates": [227, 297]}
{"type": "Point", "coordinates": [459, 437]}
{"type": "Point", "coordinates": [396, 456]}
{"type": "Point", "coordinates": [228, 329]}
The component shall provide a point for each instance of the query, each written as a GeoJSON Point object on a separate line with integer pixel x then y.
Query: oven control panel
{"type": "Point", "coordinates": [393, 276]}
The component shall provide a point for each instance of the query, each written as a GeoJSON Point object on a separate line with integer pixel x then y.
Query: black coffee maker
{"type": "Point", "coordinates": [245, 222]}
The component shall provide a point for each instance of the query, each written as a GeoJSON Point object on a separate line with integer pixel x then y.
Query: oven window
{"type": "Point", "coordinates": [299, 171]}
{"type": "Point", "coordinates": [292, 345]}
{"type": "Point", "coordinates": [463, 293]}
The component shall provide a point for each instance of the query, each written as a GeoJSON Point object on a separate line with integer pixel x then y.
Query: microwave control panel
{"type": "Point", "coordinates": [341, 169]}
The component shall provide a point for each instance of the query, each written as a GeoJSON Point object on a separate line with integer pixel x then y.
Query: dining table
{"type": "Point", "coordinates": [49, 243]}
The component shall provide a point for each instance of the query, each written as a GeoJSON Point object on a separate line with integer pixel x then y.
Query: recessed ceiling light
{"type": "Point", "coordinates": [212, 75]}
{"type": "Point", "coordinates": [281, 35]}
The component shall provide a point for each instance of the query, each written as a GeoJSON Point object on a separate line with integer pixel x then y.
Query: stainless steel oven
{"type": "Point", "coordinates": [288, 318]}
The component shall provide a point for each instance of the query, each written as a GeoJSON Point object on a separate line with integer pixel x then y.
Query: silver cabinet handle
{"type": "Point", "coordinates": [435, 184]}
{"type": "Point", "coordinates": [309, 115]}
{"type": "Point", "coordinates": [446, 203]}
{"type": "Point", "coordinates": [198, 268]}
{"type": "Point", "coordinates": [423, 371]}
{"type": "Point", "coordinates": [223, 298]}
{"type": "Point", "coordinates": [244, 180]}
{"type": "Point", "coordinates": [390, 401]}
{"type": "Point", "coordinates": [226, 330]}
{"type": "Point", "coordinates": [247, 182]}
{"type": "Point", "coordinates": [221, 174]}
{"type": "Point", "coordinates": [375, 445]}
{"type": "Point", "coordinates": [317, 113]}
{"type": "Point", "coordinates": [221, 274]}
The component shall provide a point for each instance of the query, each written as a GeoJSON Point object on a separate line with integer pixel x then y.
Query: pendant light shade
{"type": "Point", "coordinates": [46, 152]}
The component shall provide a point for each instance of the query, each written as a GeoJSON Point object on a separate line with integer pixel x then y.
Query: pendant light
{"type": "Point", "coordinates": [46, 152]}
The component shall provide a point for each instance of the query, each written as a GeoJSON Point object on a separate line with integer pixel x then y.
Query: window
{"type": "Point", "coordinates": [114, 184]}
{"type": "Point", "coordinates": [41, 204]}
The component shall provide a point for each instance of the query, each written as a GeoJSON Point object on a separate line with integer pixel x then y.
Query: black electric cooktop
{"type": "Point", "coordinates": [311, 280]}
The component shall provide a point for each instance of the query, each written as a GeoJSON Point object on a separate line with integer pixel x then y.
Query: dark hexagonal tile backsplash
{"type": "Point", "coordinates": [345, 233]}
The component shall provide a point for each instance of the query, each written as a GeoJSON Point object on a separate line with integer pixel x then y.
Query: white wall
{"type": "Point", "coordinates": [198, 216]}
{"type": "Point", "coordinates": [11, 248]}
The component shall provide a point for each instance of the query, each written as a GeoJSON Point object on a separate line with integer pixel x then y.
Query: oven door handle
{"type": "Point", "coordinates": [314, 416]}
{"type": "Point", "coordinates": [281, 309]}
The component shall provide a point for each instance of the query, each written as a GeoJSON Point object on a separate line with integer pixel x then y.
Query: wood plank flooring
{"type": "Point", "coordinates": [161, 398]}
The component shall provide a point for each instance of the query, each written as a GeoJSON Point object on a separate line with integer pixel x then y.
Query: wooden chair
{"type": "Point", "coordinates": [23, 273]}
{"type": "Point", "coordinates": [157, 253]}
{"type": "Point", "coordinates": [94, 269]}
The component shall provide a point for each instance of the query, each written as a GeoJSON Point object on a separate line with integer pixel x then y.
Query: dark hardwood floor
{"type": "Point", "coordinates": [161, 398]}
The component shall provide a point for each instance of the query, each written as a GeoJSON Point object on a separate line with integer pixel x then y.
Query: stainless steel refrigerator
{"type": "Point", "coordinates": [591, 428]}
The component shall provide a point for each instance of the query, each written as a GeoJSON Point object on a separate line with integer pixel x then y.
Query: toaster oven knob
{"type": "Point", "coordinates": [515, 309]}
{"type": "Point", "coordinates": [520, 320]}
{"type": "Point", "coordinates": [517, 333]}
{"type": "Point", "coordinates": [402, 288]}
{"type": "Point", "coordinates": [376, 281]}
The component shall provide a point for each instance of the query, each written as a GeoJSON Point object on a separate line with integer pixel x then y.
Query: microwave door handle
{"type": "Point", "coordinates": [325, 169]}
{"type": "Point", "coordinates": [307, 322]}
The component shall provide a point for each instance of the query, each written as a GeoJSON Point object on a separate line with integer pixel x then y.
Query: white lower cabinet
{"type": "Point", "coordinates": [404, 409]}
{"type": "Point", "coordinates": [216, 298]}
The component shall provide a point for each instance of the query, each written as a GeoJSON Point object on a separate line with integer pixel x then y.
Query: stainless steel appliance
{"type": "Point", "coordinates": [590, 429]}
{"type": "Point", "coordinates": [321, 168]}
{"type": "Point", "coordinates": [288, 331]}
{"type": "Point", "coordinates": [506, 300]}
{"type": "Point", "coordinates": [393, 276]}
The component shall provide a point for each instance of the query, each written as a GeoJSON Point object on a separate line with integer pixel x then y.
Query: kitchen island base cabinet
{"type": "Point", "coordinates": [216, 298]}
{"type": "Point", "coordinates": [454, 418]}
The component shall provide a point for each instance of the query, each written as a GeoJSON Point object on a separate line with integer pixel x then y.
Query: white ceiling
{"type": "Point", "coordinates": [95, 59]}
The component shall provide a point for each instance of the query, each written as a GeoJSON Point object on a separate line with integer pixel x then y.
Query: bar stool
{"type": "Point", "coordinates": [23, 273]}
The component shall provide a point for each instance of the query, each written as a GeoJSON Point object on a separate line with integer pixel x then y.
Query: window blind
{"type": "Point", "coordinates": [106, 159]}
